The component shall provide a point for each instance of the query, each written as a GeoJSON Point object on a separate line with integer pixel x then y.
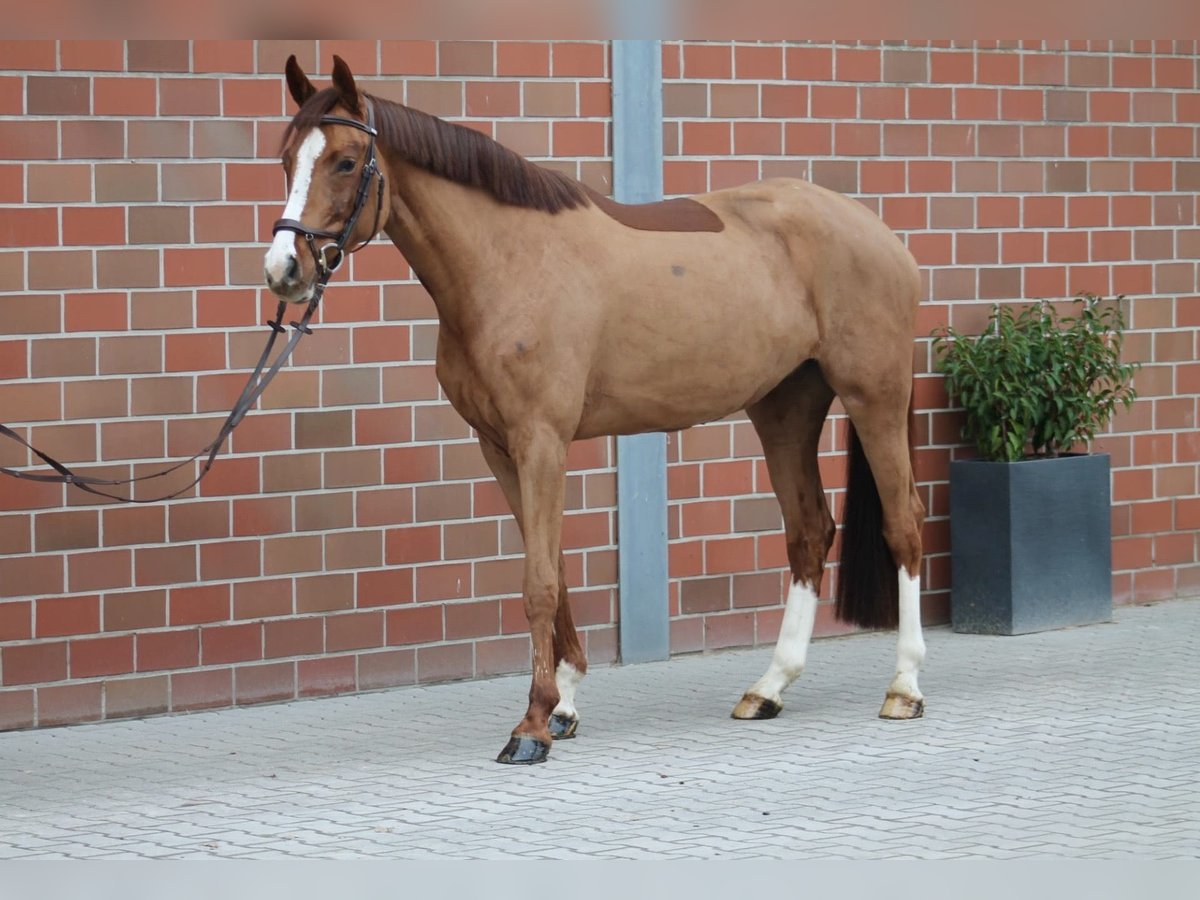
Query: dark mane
{"type": "Point", "coordinates": [455, 152]}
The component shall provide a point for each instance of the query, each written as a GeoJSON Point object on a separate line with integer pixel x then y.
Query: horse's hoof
{"type": "Point", "coordinates": [523, 750]}
{"type": "Point", "coordinates": [563, 728]}
{"type": "Point", "coordinates": [752, 706]}
{"type": "Point", "coordinates": [897, 707]}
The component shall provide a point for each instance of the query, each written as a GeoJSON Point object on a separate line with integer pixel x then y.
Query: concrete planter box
{"type": "Point", "coordinates": [1031, 544]}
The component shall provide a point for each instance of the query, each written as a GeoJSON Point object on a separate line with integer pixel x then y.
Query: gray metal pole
{"type": "Point", "coordinates": [641, 459]}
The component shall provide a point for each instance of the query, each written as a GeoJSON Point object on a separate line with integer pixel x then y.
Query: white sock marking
{"type": "Point", "coordinates": [910, 645]}
{"type": "Point", "coordinates": [791, 651]}
{"type": "Point", "coordinates": [567, 678]}
{"type": "Point", "coordinates": [283, 247]}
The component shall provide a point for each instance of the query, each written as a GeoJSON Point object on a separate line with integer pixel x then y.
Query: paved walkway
{"type": "Point", "coordinates": [1078, 743]}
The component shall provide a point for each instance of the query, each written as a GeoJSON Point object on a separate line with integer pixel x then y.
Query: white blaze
{"type": "Point", "coordinates": [283, 248]}
{"type": "Point", "coordinates": [791, 652]}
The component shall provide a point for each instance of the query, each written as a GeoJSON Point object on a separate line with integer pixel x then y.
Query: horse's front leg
{"type": "Point", "coordinates": [540, 455]}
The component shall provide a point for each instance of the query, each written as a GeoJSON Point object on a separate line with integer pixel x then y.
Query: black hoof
{"type": "Point", "coordinates": [562, 728]}
{"type": "Point", "coordinates": [523, 750]}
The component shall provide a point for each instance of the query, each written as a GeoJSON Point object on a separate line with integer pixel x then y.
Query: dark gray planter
{"type": "Point", "coordinates": [1031, 544]}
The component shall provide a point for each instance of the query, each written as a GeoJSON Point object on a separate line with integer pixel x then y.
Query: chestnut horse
{"type": "Point", "coordinates": [565, 316]}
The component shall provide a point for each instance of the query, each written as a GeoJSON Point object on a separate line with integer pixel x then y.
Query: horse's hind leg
{"type": "Point", "coordinates": [788, 421]}
{"type": "Point", "coordinates": [881, 424]}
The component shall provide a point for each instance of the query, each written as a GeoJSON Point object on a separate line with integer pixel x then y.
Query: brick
{"type": "Point", "coordinates": [321, 677]}
{"type": "Point", "coordinates": [550, 99]}
{"type": "Point", "coordinates": [59, 183]}
{"type": "Point", "coordinates": [293, 637]}
{"type": "Point", "coordinates": [857, 65]}
{"type": "Point", "coordinates": [126, 269]}
{"type": "Point", "coordinates": [353, 550]}
{"type": "Point", "coordinates": [445, 663]}
{"type": "Point", "coordinates": [734, 101]}
{"type": "Point", "coordinates": [158, 56]}
{"type": "Point", "coordinates": [580, 60]}
{"type": "Point", "coordinates": [61, 269]}
{"type": "Point", "coordinates": [162, 650]}
{"type": "Point", "coordinates": [201, 690]}
{"type": "Point", "coordinates": [732, 555]}
{"type": "Point", "coordinates": [90, 226]}
{"type": "Point", "coordinates": [22, 54]}
{"type": "Point", "coordinates": [322, 593]}
{"type": "Point", "coordinates": [32, 227]}
{"type": "Point", "coordinates": [192, 181]}
{"type": "Point", "coordinates": [384, 588]}
{"type": "Point", "coordinates": [228, 139]}
{"type": "Point", "coordinates": [765, 63]}
{"type": "Point", "coordinates": [223, 56]}
{"type": "Point", "coordinates": [264, 684]}
{"type": "Point", "coordinates": [199, 605]}
{"type": "Point", "coordinates": [16, 710]}
{"type": "Point", "coordinates": [414, 625]}
{"type": "Point", "coordinates": [136, 696]}
{"type": "Point", "coordinates": [62, 616]}
{"type": "Point", "coordinates": [93, 140]}
{"type": "Point", "coordinates": [438, 98]}
{"type": "Point", "coordinates": [951, 67]}
{"type": "Point", "coordinates": [728, 631]}
{"type": "Point", "coordinates": [387, 669]}
{"type": "Point", "coordinates": [707, 61]}
{"type": "Point", "coordinates": [523, 58]}
{"type": "Point", "coordinates": [34, 663]}
{"type": "Point", "coordinates": [16, 621]}
{"type": "Point", "coordinates": [472, 620]}
{"type": "Point", "coordinates": [466, 58]}
{"type": "Point", "coordinates": [443, 582]}
{"type": "Point", "coordinates": [354, 631]}
{"type": "Point", "coordinates": [126, 182]}
{"type": "Point", "coordinates": [493, 98]}
{"type": "Point", "coordinates": [705, 595]}
{"type": "Point", "coordinates": [31, 575]}
{"type": "Point", "coordinates": [69, 704]}
{"type": "Point", "coordinates": [28, 140]}
{"type": "Point", "coordinates": [579, 139]}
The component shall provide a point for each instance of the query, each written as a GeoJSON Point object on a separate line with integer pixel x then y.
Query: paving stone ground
{"type": "Point", "coordinates": [1078, 743]}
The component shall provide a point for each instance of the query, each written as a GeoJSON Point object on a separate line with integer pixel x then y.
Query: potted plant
{"type": "Point", "coordinates": [1030, 532]}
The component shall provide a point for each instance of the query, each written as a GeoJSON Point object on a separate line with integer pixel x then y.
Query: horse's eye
{"type": "Point", "coordinates": [346, 165]}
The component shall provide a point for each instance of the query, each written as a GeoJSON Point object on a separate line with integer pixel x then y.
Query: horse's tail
{"type": "Point", "coordinates": [867, 586]}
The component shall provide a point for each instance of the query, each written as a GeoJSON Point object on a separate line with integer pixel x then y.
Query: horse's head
{"type": "Point", "coordinates": [336, 200]}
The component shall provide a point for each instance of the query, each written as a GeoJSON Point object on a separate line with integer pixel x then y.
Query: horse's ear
{"type": "Point", "coordinates": [343, 80]}
{"type": "Point", "coordinates": [298, 82]}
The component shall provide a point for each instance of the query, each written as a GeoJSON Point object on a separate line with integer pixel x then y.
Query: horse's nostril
{"type": "Point", "coordinates": [293, 269]}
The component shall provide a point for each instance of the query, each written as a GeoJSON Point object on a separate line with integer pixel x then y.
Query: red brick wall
{"type": "Point", "coordinates": [351, 538]}
{"type": "Point", "coordinates": [1014, 171]}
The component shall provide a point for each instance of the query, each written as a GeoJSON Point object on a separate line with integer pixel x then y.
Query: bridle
{"type": "Point", "coordinates": [258, 380]}
{"type": "Point", "coordinates": [370, 169]}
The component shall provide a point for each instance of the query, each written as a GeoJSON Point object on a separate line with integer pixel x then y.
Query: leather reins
{"type": "Point", "coordinates": [262, 374]}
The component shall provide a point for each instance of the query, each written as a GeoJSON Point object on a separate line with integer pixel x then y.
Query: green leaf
{"type": "Point", "coordinates": [1036, 377]}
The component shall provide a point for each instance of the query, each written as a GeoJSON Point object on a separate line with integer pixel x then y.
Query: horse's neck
{"type": "Point", "coordinates": [441, 228]}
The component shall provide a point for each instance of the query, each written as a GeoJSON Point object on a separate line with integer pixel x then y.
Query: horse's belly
{"type": "Point", "coordinates": [667, 394]}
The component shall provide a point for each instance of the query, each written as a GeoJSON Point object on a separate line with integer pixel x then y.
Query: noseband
{"type": "Point", "coordinates": [338, 240]}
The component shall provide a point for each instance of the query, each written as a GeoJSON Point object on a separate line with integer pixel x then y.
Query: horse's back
{"type": "Point", "coordinates": [850, 263]}
{"type": "Point", "coordinates": [826, 224]}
